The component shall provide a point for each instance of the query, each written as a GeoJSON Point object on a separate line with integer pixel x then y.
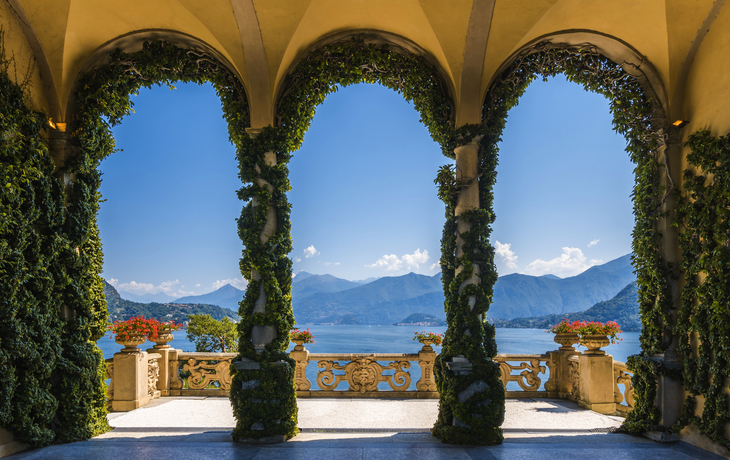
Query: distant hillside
{"type": "Point", "coordinates": [421, 319]}
{"type": "Point", "coordinates": [522, 296]}
{"type": "Point", "coordinates": [381, 302]}
{"type": "Point", "coordinates": [312, 284]}
{"type": "Point", "coordinates": [390, 299]}
{"type": "Point", "coordinates": [227, 297]}
{"type": "Point", "coordinates": [624, 309]}
{"type": "Point", "coordinates": [160, 297]}
{"type": "Point", "coordinates": [121, 309]}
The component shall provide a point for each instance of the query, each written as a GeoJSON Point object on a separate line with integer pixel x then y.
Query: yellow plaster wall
{"type": "Point", "coordinates": [707, 95]}
{"type": "Point", "coordinates": [278, 22]}
{"type": "Point", "coordinates": [450, 30]}
{"type": "Point", "coordinates": [510, 22]}
{"type": "Point", "coordinates": [326, 17]}
{"type": "Point", "coordinates": [17, 47]}
{"type": "Point", "coordinates": [684, 18]}
{"type": "Point", "coordinates": [83, 36]}
{"type": "Point", "coordinates": [640, 24]}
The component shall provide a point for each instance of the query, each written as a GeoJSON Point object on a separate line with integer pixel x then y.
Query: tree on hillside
{"type": "Point", "coordinates": [210, 335]}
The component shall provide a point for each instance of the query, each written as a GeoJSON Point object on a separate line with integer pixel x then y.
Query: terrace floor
{"type": "Point", "coordinates": [183, 428]}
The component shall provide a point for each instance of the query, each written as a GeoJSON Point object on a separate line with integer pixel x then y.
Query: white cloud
{"type": "Point", "coordinates": [239, 283]}
{"type": "Point", "coordinates": [197, 285]}
{"type": "Point", "coordinates": [170, 288]}
{"type": "Point", "coordinates": [434, 265]}
{"type": "Point", "coordinates": [297, 259]}
{"type": "Point", "coordinates": [331, 263]}
{"type": "Point", "coordinates": [570, 263]}
{"type": "Point", "coordinates": [391, 263]}
{"type": "Point", "coordinates": [310, 252]}
{"type": "Point", "coordinates": [593, 243]}
{"type": "Point", "coordinates": [508, 256]}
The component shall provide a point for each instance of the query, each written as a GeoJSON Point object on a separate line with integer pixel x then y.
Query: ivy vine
{"type": "Point", "coordinates": [103, 99]}
{"type": "Point", "coordinates": [266, 397]}
{"type": "Point", "coordinates": [636, 116]}
{"type": "Point", "coordinates": [32, 278]}
{"type": "Point", "coordinates": [703, 214]}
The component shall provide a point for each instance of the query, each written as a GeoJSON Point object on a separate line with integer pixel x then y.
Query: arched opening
{"type": "Point", "coordinates": [638, 115]}
{"type": "Point", "coordinates": [167, 223]}
{"type": "Point", "coordinates": [366, 230]}
{"type": "Point", "coordinates": [562, 242]}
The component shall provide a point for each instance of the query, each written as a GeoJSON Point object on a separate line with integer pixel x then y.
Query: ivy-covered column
{"type": "Point", "coordinates": [262, 392]}
{"type": "Point", "coordinates": [471, 395]}
{"type": "Point", "coordinates": [670, 391]}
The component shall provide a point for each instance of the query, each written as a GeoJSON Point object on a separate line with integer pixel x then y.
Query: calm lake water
{"type": "Point", "coordinates": [399, 339]}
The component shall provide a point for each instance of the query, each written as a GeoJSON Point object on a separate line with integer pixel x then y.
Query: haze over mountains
{"type": "Point", "coordinates": [325, 299]}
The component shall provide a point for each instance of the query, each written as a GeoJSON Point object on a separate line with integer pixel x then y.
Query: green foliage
{"type": "Point", "coordinates": [634, 116]}
{"type": "Point", "coordinates": [32, 256]}
{"type": "Point", "coordinates": [212, 336]}
{"type": "Point", "coordinates": [103, 98]}
{"type": "Point", "coordinates": [704, 215]}
{"type": "Point", "coordinates": [268, 397]}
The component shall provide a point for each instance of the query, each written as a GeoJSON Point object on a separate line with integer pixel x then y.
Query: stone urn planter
{"type": "Point", "coordinates": [426, 344]}
{"type": "Point", "coordinates": [566, 340]}
{"type": "Point", "coordinates": [299, 344]}
{"type": "Point", "coordinates": [594, 343]}
{"type": "Point", "coordinates": [164, 336]}
{"type": "Point", "coordinates": [131, 344]}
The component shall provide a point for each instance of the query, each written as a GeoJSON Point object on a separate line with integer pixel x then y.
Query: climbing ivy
{"type": "Point", "coordinates": [636, 116]}
{"type": "Point", "coordinates": [703, 214]}
{"type": "Point", "coordinates": [103, 100]}
{"type": "Point", "coordinates": [264, 399]}
{"type": "Point", "coordinates": [31, 266]}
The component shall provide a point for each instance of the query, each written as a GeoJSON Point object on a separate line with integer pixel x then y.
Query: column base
{"type": "Point", "coordinates": [276, 439]}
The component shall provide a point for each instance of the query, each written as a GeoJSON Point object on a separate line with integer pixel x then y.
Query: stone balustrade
{"type": "Point", "coordinates": [594, 381]}
{"type": "Point", "coordinates": [622, 376]}
{"type": "Point", "coordinates": [199, 374]}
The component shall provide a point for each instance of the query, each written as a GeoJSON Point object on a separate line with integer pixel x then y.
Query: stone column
{"type": "Point", "coordinates": [263, 335]}
{"type": "Point", "coordinates": [670, 393]}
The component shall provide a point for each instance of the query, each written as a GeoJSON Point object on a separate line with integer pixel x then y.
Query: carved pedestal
{"type": "Point", "coordinates": [301, 356]}
{"type": "Point", "coordinates": [426, 357]}
{"type": "Point", "coordinates": [135, 380]}
{"type": "Point", "coordinates": [596, 387]}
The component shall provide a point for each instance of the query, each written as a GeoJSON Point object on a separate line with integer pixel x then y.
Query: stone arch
{"type": "Point", "coordinates": [266, 310]}
{"type": "Point", "coordinates": [639, 106]}
{"type": "Point", "coordinates": [101, 99]}
{"type": "Point", "coordinates": [613, 48]}
{"type": "Point", "coordinates": [132, 43]}
{"type": "Point", "coordinates": [394, 42]}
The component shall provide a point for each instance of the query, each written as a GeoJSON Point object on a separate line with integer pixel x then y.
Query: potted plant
{"type": "Point", "coordinates": [594, 335]}
{"type": "Point", "coordinates": [565, 334]}
{"type": "Point", "coordinates": [164, 333]}
{"type": "Point", "coordinates": [300, 338]}
{"type": "Point", "coordinates": [428, 338]}
{"type": "Point", "coordinates": [133, 332]}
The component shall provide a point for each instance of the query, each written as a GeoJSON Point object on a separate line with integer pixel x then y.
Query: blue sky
{"type": "Point", "coordinates": [364, 202]}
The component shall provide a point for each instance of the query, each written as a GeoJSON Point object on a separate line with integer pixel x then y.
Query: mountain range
{"type": "Point", "coordinates": [122, 309]}
{"type": "Point", "coordinates": [390, 299]}
{"type": "Point", "coordinates": [326, 299]}
{"type": "Point", "coordinates": [227, 297]}
{"type": "Point", "coordinates": [623, 308]}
